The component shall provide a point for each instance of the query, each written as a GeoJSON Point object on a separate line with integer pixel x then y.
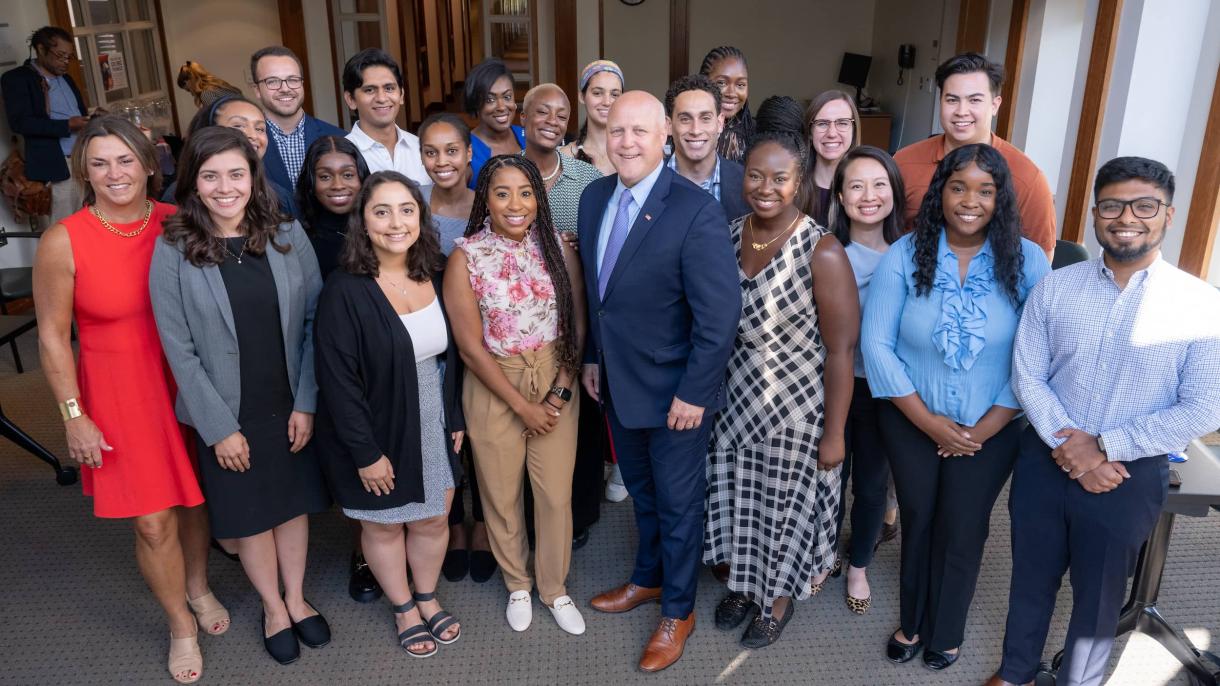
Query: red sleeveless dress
{"type": "Point", "coordinates": [125, 383]}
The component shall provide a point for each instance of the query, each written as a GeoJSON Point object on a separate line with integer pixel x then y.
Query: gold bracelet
{"type": "Point", "coordinates": [71, 409]}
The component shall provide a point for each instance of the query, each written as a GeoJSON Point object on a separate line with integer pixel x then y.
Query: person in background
{"type": "Point", "coordinates": [1116, 362]}
{"type": "Point", "coordinates": [520, 323]}
{"type": "Point", "coordinates": [601, 82]}
{"type": "Point", "coordinates": [776, 450]}
{"type": "Point", "coordinates": [45, 108]}
{"type": "Point", "coordinates": [939, 322]}
{"type": "Point", "coordinates": [117, 405]}
{"type": "Point", "coordinates": [445, 144]}
{"type": "Point", "coordinates": [867, 200]}
{"type": "Point", "coordinates": [969, 99]}
{"type": "Point", "coordinates": [390, 424]}
{"type": "Point", "coordinates": [280, 85]}
{"type": "Point", "coordinates": [490, 101]}
{"type": "Point", "coordinates": [234, 288]}
{"type": "Point", "coordinates": [833, 125]}
{"type": "Point", "coordinates": [726, 67]}
{"type": "Point", "coordinates": [692, 105]}
{"type": "Point", "coordinates": [373, 89]}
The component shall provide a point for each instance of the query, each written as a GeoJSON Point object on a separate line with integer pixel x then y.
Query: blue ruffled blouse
{"type": "Point", "coordinates": [953, 345]}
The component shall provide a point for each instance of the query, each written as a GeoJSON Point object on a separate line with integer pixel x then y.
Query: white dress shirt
{"type": "Point", "coordinates": [406, 159]}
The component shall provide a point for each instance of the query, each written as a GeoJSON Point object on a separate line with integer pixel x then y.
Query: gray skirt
{"type": "Point", "coordinates": [438, 476]}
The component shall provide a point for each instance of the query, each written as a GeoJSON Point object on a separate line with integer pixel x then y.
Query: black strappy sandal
{"type": "Point", "coordinates": [414, 634]}
{"type": "Point", "coordinates": [439, 622]}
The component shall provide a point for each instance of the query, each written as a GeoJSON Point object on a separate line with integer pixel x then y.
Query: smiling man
{"type": "Point", "coordinates": [693, 108]}
{"type": "Point", "coordinates": [1116, 362]}
{"type": "Point", "coordinates": [969, 99]}
{"type": "Point", "coordinates": [372, 86]}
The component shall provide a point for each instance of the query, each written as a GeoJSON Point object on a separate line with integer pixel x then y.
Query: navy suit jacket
{"type": "Point", "coordinates": [668, 322]}
{"type": "Point", "coordinates": [25, 102]}
{"type": "Point", "coordinates": [732, 177]}
{"type": "Point", "coordinates": [273, 163]}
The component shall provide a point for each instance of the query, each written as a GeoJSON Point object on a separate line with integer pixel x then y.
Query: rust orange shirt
{"type": "Point", "coordinates": [918, 162]}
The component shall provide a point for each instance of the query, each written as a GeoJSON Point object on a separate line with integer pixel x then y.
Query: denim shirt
{"type": "Point", "coordinates": [952, 345]}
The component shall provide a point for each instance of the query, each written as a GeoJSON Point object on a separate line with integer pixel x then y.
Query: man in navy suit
{"type": "Point", "coordinates": [280, 85]}
{"type": "Point", "coordinates": [692, 105]}
{"type": "Point", "coordinates": [664, 304]}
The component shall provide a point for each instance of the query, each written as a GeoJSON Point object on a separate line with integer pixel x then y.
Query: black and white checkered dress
{"type": "Point", "coordinates": [771, 512]}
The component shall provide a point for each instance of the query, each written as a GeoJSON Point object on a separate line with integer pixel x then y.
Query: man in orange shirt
{"type": "Point", "coordinates": [969, 98]}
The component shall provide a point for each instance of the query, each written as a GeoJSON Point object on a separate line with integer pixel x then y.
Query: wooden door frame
{"type": "Point", "coordinates": [679, 39]}
{"type": "Point", "coordinates": [1014, 56]}
{"type": "Point", "coordinates": [292, 36]}
{"type": "Point", "coordinates": [1199, 238]}
{"type": "Point", "coordinates": [972, 26]}
{"type": "Point", "coordinates": [566, 75]}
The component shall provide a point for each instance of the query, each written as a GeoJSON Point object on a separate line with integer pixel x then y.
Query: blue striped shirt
{"type": "Point", "coordinates": [1139, 366]}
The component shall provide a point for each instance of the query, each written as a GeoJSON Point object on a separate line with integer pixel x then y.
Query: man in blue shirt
{"type": "Point", "coordinates": [1116, 363]}
{"type": "Point", "coordinates": [280, 86]}
{"type": "Point", "coordinates": [46, 109]}
{"type": "Point", "coordinates": [692, 105]}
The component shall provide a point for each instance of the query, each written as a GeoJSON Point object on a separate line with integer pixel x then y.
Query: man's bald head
{"type": "Point", "coordinates": [636, 131]}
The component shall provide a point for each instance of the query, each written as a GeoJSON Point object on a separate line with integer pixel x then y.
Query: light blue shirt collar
{"type": "Point", "coordinates": [711, 184]}
{"type": "Point", "coordinates": [640, 191]}
{"type": "Point", "coordinates": [943, 251]}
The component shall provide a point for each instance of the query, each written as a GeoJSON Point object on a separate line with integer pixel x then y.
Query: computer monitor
{"type": "Point", "coordinates": [854, 71]}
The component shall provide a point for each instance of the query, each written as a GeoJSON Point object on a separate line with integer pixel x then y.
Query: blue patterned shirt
{"type": "Point", "coordinates": [291, 146]}
{"type": "Point", "coordinates": [711, 184]}
{"type": "Point", "coordinates": [1139, 366]}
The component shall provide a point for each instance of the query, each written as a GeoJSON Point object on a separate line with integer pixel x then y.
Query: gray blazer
{"type": "Point", "coordinates": [195, 321]}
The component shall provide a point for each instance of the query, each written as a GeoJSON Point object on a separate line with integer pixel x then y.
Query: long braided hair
{"type": "Point", "coordinates": [543, 231]}
{"type": "Point", "coordinates": [738, 131]}
{"type": "Point", "coordinates": [1003, 231]}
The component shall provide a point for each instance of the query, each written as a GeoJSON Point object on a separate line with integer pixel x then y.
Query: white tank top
{"type": "Point", "coordinates": [427, 330]}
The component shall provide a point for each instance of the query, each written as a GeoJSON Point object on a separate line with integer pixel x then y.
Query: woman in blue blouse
{"type": "Point", "coordinates": [490, 99]}
{"type": "Point", "coordinates": [937, 337]}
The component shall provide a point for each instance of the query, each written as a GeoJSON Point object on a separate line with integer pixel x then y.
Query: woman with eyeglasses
{"type": "Point", "coordinates": [490, 99]}
{"type": "Point", "coordinates": [833, 126]}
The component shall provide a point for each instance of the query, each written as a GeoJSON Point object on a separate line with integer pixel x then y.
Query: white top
{"type": "Point", "coordinates": [427, 330]}
{"type": "Point", "coordinates": [864, 261]}
{"type": "Point", "coordinates": [406, 159]}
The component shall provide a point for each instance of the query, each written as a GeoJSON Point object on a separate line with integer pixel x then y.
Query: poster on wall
{"type": "Point", "coordinates": [114, 70]}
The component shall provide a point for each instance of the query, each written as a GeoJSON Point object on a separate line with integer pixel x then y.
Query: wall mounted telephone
{"type": "Point", "coordinates": [906, 60]}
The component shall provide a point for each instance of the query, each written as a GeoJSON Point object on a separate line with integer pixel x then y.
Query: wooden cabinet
{"type": "Point", "coordinates": [875, 129]}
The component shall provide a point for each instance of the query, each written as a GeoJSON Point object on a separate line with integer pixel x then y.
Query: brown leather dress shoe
{"type": "Point", "coordinates": [667, 643]}
{"type": "Point", "coordinates": [995, 680]}
{"type": "Point", "coordinates": [624, 598]}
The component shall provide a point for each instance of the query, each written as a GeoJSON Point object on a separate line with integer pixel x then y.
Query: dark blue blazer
{"type": "Point", "coordinates": [732, 177]}
{"type": "Point", "coordinates": [273, 164]}
{"type": "Point", "coordinates": [669, 319]}
{"type": "Point", "coordinates": [25, 102]}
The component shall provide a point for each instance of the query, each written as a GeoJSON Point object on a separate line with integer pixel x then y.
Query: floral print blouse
{"type": "Point", "coordinates": [514, 290]}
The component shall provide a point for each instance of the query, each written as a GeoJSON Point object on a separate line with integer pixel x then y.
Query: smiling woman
{"type": "Point", "coordinates": [331, 176]}
{"type": "Point", "coordinates": [489, 98]}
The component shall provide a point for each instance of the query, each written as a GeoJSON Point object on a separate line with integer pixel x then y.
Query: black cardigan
{"type": "Point", "coordinates": [368, 393]}
{"type": "Point", "coordinates": [25, 101]}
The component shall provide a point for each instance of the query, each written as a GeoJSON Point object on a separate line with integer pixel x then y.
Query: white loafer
{"type": "Point", "coordinates": [520, 611]}
{"type": "Point", "coordinates": [567, 616]}
{"type": "Point", "coordinates": [616, 492]}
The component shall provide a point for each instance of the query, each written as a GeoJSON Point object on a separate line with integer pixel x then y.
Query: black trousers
{"type": "Point", "coordinates": [868, 467]}
{"type": "Point", "coordinates": [1057, 526]}
{"type": "Point", "coordinates": [945, 504]}
{"type": "Point", "coordinates": [457, 511]}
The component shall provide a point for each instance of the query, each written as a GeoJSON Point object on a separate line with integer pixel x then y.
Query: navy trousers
{"type": "Point", "coordinates": [666, 474]}
{"type": "Point", "coordinates": [868, 467]}
{"type": "Point", "coordinates": [1058, 526]}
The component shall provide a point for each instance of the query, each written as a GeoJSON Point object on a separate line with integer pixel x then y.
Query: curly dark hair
{"type": "Point", "coordinates": [1003, 231]}
{"type": "Point", "coordinates": [191, 228]}
{"type": "Point", "coordinates": [840, 223]}
{"type": "Point", "coordinates": [307, 202]}
{"type": "Point", "coordinates": [543, 232]}
{"type": "Point", "coordinates": [423, 258]}
{"type": "Point", "coordinates": [738, 131]}
{"type": "Point", "coordinates": [690, 82]}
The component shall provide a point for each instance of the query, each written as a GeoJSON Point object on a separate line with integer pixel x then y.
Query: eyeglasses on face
{"type": "Point", "coordinates": [275, 83]}
{"type": "Point", "coordinates": [61, 55]}
{"type": "Point", "coordinates": [823, 125]}
{"type": "Point", "coordinates": [1142, 208]}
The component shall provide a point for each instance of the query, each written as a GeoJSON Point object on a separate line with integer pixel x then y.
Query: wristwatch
{"type": "Point", "coordinates": [1101, 445]}
{"type": "Point", "coordinates": [71, 409]}
{"type": "Point", "coordinates": [564, 394]}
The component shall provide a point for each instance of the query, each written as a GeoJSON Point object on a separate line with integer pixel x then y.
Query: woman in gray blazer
{"type": "Point", "coordinates": [234, 291]}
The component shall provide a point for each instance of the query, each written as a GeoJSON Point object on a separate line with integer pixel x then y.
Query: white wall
{"type": "Point", "coordinates": [637, 38]}
{"type": "Point", "coordinates": [24, 18]}
{"type": "Point", "coordinates": [913, 104]}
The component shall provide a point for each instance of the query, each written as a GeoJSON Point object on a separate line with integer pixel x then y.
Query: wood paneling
{"type": "Point", "coordinates": [1092, 114]}
{"type": "Point", "coordinates": [1200, 235]}
{"type": "Point", "coordinates": [1013, 57]}
{"type": "Point", "coordinates": [972, 26]}
{"type": "Point", "coordinates": [679, 38]}
{"type": "Point", "coordinates": [565, 57]}
{"type": "Point", "coordinates": [292, 36]}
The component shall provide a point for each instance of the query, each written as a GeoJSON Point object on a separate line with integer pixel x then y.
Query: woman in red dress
{"type": "Point", "coordinates": [117, 402]}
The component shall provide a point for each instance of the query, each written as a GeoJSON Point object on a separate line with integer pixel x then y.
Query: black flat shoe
{"type": "Point", "coordinates": [456, 565]}
{"type": "Point", "coordinates": [362, 586]}
{"type": "Point", "coordinates": [899, 652]}
{"type": "Point", "coordinates": [312, 631]}
{"type": "Point", "coordinates": [580, 538]}
{"type": "Point", "coordinates": [763, 632]}
{"type": "Point", "coordinates": [482, 565]}
{"type": "Point", "coordinates": [936, 660]}
{"type": "Point", "coordinates": [888, 533]}
{"type": "Point", "coordinates": [733, 610]}
{"type": "Point", "coordinates": [283, 646]}
{"type": "Point", "coordinates": [219, 548]}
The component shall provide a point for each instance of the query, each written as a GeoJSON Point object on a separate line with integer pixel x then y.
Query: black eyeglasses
{"type": "Point", "coordinates": [275, 83]}
{"type": "Point", "coordinates": [61, 56]}
{"type": "Point", "coordinates": [1142, 208]}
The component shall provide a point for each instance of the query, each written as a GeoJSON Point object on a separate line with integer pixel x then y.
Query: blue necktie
{"type": "Point", "coordinates": [618, 236]}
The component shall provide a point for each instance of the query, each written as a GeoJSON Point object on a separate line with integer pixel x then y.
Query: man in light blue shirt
{"type": "Point", "coordinates": [1116, 362]}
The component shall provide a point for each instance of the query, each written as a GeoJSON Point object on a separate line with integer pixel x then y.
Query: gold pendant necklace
{"type": "Point", "coordinates": [225, 244]}
{"type": "Point", "coordinates": [759, 247]}
{"type": "Point", "coordinates": [148, 207]}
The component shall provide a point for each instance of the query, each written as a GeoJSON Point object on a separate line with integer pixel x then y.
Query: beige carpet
{"type": "Point", "coordinates": [75, 610]}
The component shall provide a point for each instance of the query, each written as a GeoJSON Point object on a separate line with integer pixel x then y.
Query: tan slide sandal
{"type": "Point", "coordinates": [213, 618]}
{"type": "Point", "coordinates": [185, 660]}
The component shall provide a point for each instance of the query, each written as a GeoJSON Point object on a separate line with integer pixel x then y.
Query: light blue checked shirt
{"type": "Point", "coordinates": [1138, 366]}
{"type": "Point", "coordinates": [291, 146]}
{"type": "Point", "coordinates": [711, 184]}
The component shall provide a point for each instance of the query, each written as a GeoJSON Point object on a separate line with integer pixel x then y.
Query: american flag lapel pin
{"type": "Point", "coordinates": [648, 217]}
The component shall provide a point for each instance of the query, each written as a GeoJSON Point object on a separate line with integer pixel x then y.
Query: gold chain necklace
{"type": "Point", "coordinates": [148, 207]}
{"type": "Point", "coordinates": [224, 243]}
{"type": "Point", "coordinates": [397, 286]}
{"type": "Point", "coordinates": [763, 246]}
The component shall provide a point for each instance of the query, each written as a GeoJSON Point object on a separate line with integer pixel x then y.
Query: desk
{"type": "Point", "coordinates": [1199, 491]}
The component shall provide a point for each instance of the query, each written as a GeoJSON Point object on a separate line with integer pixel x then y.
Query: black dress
{"type": "Point", "coordinates": [279, 485]}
